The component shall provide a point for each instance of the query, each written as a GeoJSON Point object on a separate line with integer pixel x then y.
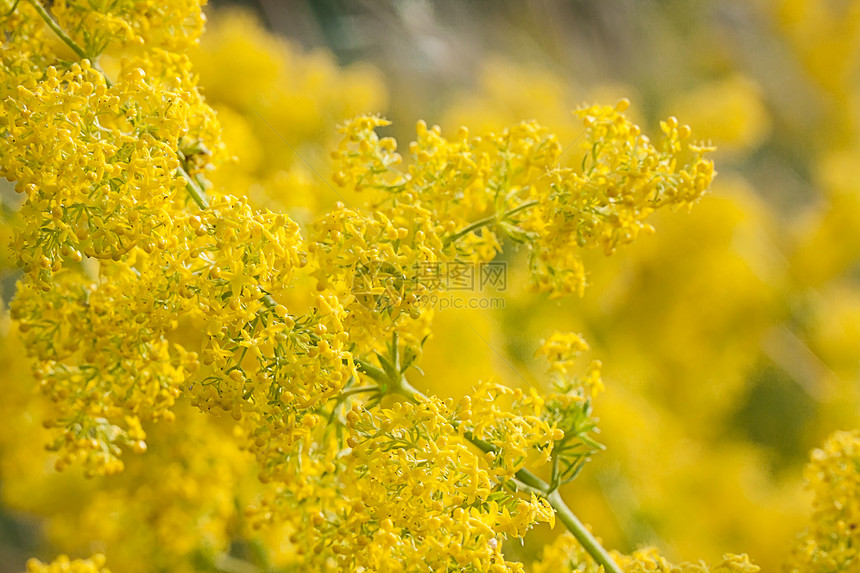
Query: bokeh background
{"type": "Point", "coordinates": [730, 339]}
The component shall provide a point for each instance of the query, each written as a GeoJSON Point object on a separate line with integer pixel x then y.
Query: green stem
{"type": "Point", "coordinates": [12, 11]}
{"type": "Point", "coordinates": [67, 40]}
{"type": "Point", "coordinates": [487, 221]}
{"type": "Point", "coordinates": [269, 301]}
{"type": "Point", "coordinates": [532, 482]}
{"type": "Point", "coordinates": [375, 373]}
{"type": "Point", "coordinates": [582, 534]}
{"type": "Point", "coordinates": [359, 390]}
{"type": "Point", "coordinates": [52, 24]}
{"type": "Point", "coordinates": [553, 481]}
{"type": "Point", "coordinates": [472, 227]}
{"type": "Point", "coordinates": [194, 189]}
{"type": "Point", "coordinates": [515, 210]}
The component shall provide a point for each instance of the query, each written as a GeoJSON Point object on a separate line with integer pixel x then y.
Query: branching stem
{"type": "Point", "coordinates": [487, 221]}
{"type": "Point", "coordinates": [534, 483]}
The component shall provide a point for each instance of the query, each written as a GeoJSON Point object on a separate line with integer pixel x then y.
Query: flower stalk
{"type": "Point", "coordinates": [400, 385]}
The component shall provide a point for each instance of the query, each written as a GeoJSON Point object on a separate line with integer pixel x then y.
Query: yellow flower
{"type": "Point", "coordinates": [833, 476]}
{"type": "Point", "coordinates": [63, 564]}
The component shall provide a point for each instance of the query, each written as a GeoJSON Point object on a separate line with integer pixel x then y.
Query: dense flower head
{"type": "Point", "coordinates": [453, 466]}
{"type": "Point", "coordinates": [452, 509]}
{"type": "Point", "coordinates": [833, 476]}
{"type": "Point", "coordinates": [213, 269]}
{"type": "Point", "coordinates": [183, 514]}
{"type": "Point", "coordinates": [97, 163]}
{"type": "Point", "coordinates": [106, 168]}
{"type": "Point", "coordinates": [371, 260]}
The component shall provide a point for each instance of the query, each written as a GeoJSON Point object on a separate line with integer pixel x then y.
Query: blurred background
{"type": "Point", "coordinates": [730, 339]}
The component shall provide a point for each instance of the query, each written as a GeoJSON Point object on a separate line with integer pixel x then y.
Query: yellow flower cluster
{"type": "Point", "coordinates": [219, 266]}
{"type": "Point", "coordinates": [183, 513]}
{"type": "Point", "coordinates": [564, 555]}
{"type": "Point", "coordinates": [644, 560]}
{"type": "Point", "coordinates": [129, 24]}
{"type": "Point", "coordinates": [663, 315]}
{"type": "Point", "coordinates": [513, 426]}
{"type": "Point", "coordinates": [623, 179]}
{"type": "Point", "coordinates": [528, 428]}
{"type": "Point", "coordinates": [154, 514]}
{"type": "Point", "coordinates": [141, 288]}
{"type": "Point", "coordinates": [297, 364]}
{"type": "Point", "coordinates": [105, 167]}
{"type": "Point", "coordinates": [514, 185]}
{"type": "Point", "coordinates": [459, 197]}
{"type": "Point", "coordinates": [97, 163]}
{"type": "Point", "coordinates": [833, 475]}
{"type": "Point", "coordinates": [337, 484]}
{"type": "Point", "coordinates": [452, 511]}
{"type": "Point", "coordinates": [63, 564]}
{"type": "Point", "coordinates": [372, 261]}
{"type": "Point", "coordinates": [561, 350]}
